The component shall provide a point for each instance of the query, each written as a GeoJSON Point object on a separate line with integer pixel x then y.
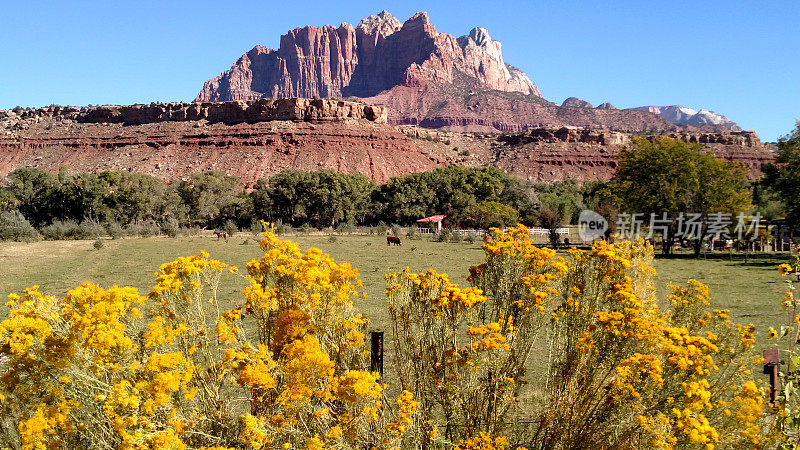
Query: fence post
{"type": "Point", "coordinates": [771, 362]}
{"type": "Point", "coordinates": [376, 352]}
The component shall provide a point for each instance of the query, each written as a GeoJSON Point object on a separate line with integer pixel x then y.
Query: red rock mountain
{"type": "Point", "coordinates": [431, 86]}
{"type": "Point", "coordinates": [425, 77]}
{"type": "Point", "coordinates": [362, 61]}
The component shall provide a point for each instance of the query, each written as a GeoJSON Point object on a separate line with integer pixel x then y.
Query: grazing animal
{"type": "Point", "coordinates": [393, 240]}
{"type": "Point", "coordinates": [221, 234]}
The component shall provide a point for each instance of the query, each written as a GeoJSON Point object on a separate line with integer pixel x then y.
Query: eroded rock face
{"type": "Point", "coordinates": [557, 154]}
{"type": "Point", "coordinates": [262, 110]}
{"type": "Point", "coordinates": [427, 78]}
{"type": "Point", "coordinates": [248, 139]}
{"type": "Point", "coordinates": [255, 139]}
{"type": "Point", "coordinates": [464, 107]}
{"type": "Point", "coordinates": [362, 61]}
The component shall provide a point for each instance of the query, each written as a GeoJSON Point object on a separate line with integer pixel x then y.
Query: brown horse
{"type": "Point", "coordinates": [221, 234]}
{"type": "Point", "coordinates": [393, 240]}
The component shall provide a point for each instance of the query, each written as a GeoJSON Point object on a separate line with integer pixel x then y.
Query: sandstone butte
{"type": "Point", "coordinates": [258, 138]}
{"type": "Point", "coordinates": [423, 76]}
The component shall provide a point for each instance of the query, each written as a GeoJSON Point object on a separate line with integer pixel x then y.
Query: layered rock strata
{"type": "Point", "coordinates": [255, 139]}
{"type": "Point", "coordinates": [247, 139]}
{"type": "Point", "coordinates": [262, 110]}
{"type": "Point", "coordinates": [556, 154]}
{"type": "Point", "coordinates": [426, 78]}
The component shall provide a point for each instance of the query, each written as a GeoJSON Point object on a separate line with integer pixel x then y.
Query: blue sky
{"type": "Point", "coordinates": [737, 58]}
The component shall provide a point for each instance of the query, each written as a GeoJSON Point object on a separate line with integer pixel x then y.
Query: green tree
{"type": "Point", "coordinates": [520, 195]}
{"type": "Point", "coordinates": [323, 198]}
{"type": "Point", "coordinates": [768, 201]}
{"type": "Point", "coordinates": [80, 197]}
{"type": "Point", "coordinates": [448, 190]}
{"type": "Point", "coordinates": [784, 177]}
{"type": "Point", "coordinates": [212, 197]}
{"type": "Point", "coordinates": [673, 177]}
{"type": "Point", "coordinates": [490, 214]}
{"type": "Point", "coordinates": [36, 192]}
{"type": "Point", "coordinates": [562, 199]}
{"type": "Point", "coordinates": [7, 200]}
{"type": "Point", "coordinates": [134, 197]}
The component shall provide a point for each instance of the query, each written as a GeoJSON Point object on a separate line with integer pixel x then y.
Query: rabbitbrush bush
{"type": "Point", "coordinates": [286, 367]}
{"type": "Point", "coordinates": [613, 370]}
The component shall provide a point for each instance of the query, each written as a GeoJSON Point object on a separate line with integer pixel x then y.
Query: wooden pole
{"type": "Point", "coordinates": [771, 361]}
{"type": "Point", "coordinates": [376, 352]}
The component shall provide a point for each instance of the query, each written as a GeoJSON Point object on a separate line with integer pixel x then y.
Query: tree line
{"type": "Point", "coordinates": [34, 199]}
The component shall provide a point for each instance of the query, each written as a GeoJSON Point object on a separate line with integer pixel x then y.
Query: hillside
{"type": "Point", "coordinates": [255, 139]}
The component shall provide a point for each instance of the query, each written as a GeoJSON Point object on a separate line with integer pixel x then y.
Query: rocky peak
{"type": "Point", "coordinates": [382, 23]}
{"type": "Point", "coordinates": [575, 102]}
{"type": "Point", "coordinates": [606, 105]}
{"type": "Point", "coordinates": [420, 18]}
{"type": "Point", "coordinates": [479, 37]}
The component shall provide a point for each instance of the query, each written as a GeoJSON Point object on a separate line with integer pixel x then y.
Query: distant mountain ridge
{"type": "Point", "coordinates": [686, 116]}
{"type": "Point", "coordinates": [426, 78]}
{"type": "Point", "coordinates": [678, 115]}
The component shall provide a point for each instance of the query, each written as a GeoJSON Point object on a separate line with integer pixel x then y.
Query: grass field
{"type": "Point", "coordinates": [752, 291]}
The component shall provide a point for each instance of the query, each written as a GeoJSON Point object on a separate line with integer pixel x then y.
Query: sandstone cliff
{"type": "Point", "coordinates": [361, 61]}
{"type": "Point", "coordinates": [247, 139]}
{"type": "Point", "coordinates": [262, 110]}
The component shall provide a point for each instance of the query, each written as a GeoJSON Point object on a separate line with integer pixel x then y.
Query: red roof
{"type": "Point", "coordinates": [437, 218]}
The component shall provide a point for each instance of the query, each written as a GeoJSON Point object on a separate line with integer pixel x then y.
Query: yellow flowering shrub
{"type": "Point", "coordinates": [619, 371]}
{"type": "Point", "coordinates": [483, 441]}
{"type": "Point", "coordinates": [179, 369]}
{"type": "Point", "coordinates": [462, 351]}
{"type": "Point", "coordinates": [643, 376]}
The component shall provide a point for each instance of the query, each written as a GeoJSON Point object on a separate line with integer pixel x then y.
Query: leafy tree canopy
{"type": "Point", "coordinates": [784, 176]}
{"type": "Point", "coordinates": [671, 176]}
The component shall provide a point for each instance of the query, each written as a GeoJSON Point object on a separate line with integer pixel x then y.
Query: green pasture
{"type": "Point", "coordinates": [752, 290]}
